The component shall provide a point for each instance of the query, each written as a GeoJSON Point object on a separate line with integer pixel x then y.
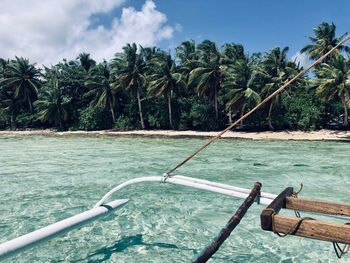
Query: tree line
{"type": "Point", "coordinates": [201, 87]}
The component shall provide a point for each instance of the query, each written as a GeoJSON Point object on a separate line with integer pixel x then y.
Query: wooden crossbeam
{"type": "Point", "coordinates": [317, 206]}
{"type": "Point", "coordinates": [276, 205]}
{"type": "Point", "coordinates": [314, 229]}
{"type": "Point", "coordinates": [306, 227]}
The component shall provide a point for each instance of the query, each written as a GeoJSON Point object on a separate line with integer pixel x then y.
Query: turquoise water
{"type": "Point", "coordinates": [46, 179]}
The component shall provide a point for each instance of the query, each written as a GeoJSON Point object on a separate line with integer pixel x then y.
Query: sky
{"type": "Point", "coordinates": [48, 31]}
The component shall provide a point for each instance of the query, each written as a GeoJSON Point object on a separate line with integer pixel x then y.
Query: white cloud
{"type": "Point", "coordinates": [302, 59]}
{"type": "Point", "coordinates": [48, 31]}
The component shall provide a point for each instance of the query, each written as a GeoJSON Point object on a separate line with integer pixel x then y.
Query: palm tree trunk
{"type": "Point", "coordinates": [12, 121]}
{"type": "Point", "coordinates": [242, 113]}
{"type": "Point", "coordinates": [140, 110]}
{"type": "Point", "coordinates": [269, 118]}
{"type": "Point", "coordinates": [345, 123]}
{"type": "Point", "coordinates": [216, 103]}
{"type": "Point", "coordinates": [12, 115]}
{"type": "Point", "coordinates": [112, 111]}
{"type": "Point", "coordinates": [60, 119]}
{"type": "Point", "coordinates": [170, 115]}
{"type": "Point", "coordinates": [230, 115]}
{"type": "Point", "coordinates": [30, 103]}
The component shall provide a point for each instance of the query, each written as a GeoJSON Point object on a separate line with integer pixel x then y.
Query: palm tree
{"type": "Point", "coordinates": [3, 65]}
{"type": "Point", "coordinates": [9, 104]}
{"type": "Point", "coordinates": [237, 87]}
{"type": "Point", "coordinates": [149, 52]}
{"type": "Point", "coordinates": [99, 83]}
{"type": "Point", "coordinates": [165, 80]}
{"type": "Point", "coordinates": [186, 51]}
{"type": "Point", "coordinates": [333, 80]}
{"type": "Point", "coordinates": [209, 73]}
{"type": "Point", "coordinates": [323, 41]}
{"type": "Point", "coordinates": [23, 78]}
{"type": "Point", "coordinates": [274, 71]}
{"type": "Point", "coordinates": [187, 57]}
{"type": "Point", "coordinates": [129, 68]}
{"type": "Point", "coordinates": [86, 62]}
{"type": "Point", "coordinates": [232, 52]}
{"type": "Point", "coordinates": [52, 104]}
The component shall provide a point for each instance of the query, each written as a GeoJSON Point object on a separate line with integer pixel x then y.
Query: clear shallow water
{"type": "Point", "coordinates": [44, 180]}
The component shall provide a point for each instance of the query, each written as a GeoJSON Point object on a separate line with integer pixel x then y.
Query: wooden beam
{"type": "Point", "coordinates": [276, 205]}
{"type": "Point", "coordinates": [317, 206]}
{"type": "Point", "coordinates": [314, 229]}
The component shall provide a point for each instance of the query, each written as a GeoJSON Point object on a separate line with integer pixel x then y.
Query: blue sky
{"type": "Point", "coordinates": [48, 31]}
{"type": "Point", "coordinates": [258, 25]}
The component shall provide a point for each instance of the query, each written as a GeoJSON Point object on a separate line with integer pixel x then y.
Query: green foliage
{"type": "Point", "coordinates": [153, 122]}
{"type": "Point", "coordinates": [25, 120]}
{"type": "Point", "coordinates": [323, 41]}
{"type": "Point", "coordinates": [71, 77]}
{"type": "Point", "coordinates": [130, 67]}
{"type": "Point", "coordinates": [87, 119]}
{"type": "Point", "coordinates": [303, 112]}
{"type": "Point", "coordinates": [100, 90]}
{"type": "Point", "coordinates": [93, 118]}
{"type": "Point", "coordinates": [157, 116]}
{"type": "Point", "coordinates": [333, 81]}
{"type": "Point", "coordinates": [3, 119]}
{"type": "Point", "coordinates": [52, 105]}
{"type": "Point", "coordinates": [19, 85]}
{"type": "Point", "coordinates": [123, 123]}
{"type": "Point", "coordinates": [197, 114]}
{"type": "Point", "coordinates": [85, 61]}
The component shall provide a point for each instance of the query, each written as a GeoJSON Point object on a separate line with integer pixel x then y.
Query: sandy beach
{"type": "Point", "coordinates": [330, 135]}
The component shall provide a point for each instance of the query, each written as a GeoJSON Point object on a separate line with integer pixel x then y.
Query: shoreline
{"type": "Point", "coordinates": [321, 135]}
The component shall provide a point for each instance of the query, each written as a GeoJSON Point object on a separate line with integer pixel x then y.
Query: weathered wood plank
{"type": "Point", "coordinates": [314, 229]}
{"type": "Point", "coordinates": [276, 205]}
{"type": "Point", "coordinates": [317, 206]}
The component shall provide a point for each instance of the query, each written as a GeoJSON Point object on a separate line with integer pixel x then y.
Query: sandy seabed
{"type": "Point", "coordinates": [330, 135]}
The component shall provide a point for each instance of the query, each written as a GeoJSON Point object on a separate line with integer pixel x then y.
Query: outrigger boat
{"type": "Point", "coordinates": [270, 219]}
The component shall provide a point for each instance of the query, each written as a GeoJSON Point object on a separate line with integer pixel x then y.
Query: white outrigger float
{"type": "Point", "coordinates": [270, 220]}
{"type": "Point", "coordinates": [102, 208]}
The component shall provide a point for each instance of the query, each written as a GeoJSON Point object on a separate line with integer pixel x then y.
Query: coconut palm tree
{"type": "Point", "coordinates": [165, 80]}
{"type": "Point", "coordinates": [186, 51]}
{"type": "Point", "coordinates": [333, 81]}
{"type": "Point", "coordinates": [238, 88]}
{"type": "Point", "coordinates": [232, 52]}
{"type": "Point", "coordinates": [3, 65]}
{"type": "Point", "coordinates": [52, 105]}
{"type": "Point", "coordinates": [274, 71]}
{"type": "Point", "coordinates": [23, 78]}
{"type": "Point", "coordinates": [9, 105]}
{"type": "Point", "coordinates": [187, 57]}
{"type": "Point", "coordinates": [129, 69]}
{"type": "Point", "coordinates": [149, 52]}
{"type": "Point", "coordinates": [100, 87]}
{"type": "Point", "coordinates": [323, 41]}
{"type": "Point", "coordinates": [209, 72]}
{"type": "Point", "coordinates": [86, 61]}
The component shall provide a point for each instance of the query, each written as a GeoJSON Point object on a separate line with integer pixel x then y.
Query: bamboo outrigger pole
{"type": "Point", "coordinates": [218, 136]}
{"type": "Point", "coordinates": [210, 250]}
